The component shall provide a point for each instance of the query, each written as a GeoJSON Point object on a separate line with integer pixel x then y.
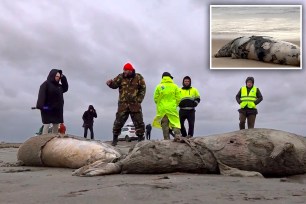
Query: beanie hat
{"type": "Point", "coordinates": [249, 79]}
{"type": "Point", "coordinates": [129, 67]}
{"type": "Point", "coordinates": [167, 74]}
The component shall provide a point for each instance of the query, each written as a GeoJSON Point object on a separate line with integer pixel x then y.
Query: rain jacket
{"type": "Point", "coordinates": [88, 116]}
{"type": "Point", "coordinates": [51, 97]}
{"type": "Point", "coordinates": [167, 97]}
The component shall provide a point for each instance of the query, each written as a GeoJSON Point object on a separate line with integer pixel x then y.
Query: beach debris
{"type": "Point", "coordinates": [15, 170]}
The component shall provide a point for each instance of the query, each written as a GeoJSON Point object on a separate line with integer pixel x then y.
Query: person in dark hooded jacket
{"type": "Point", "coordinates": [88, 118]}
{"type": "Point", "coordinates": [51, 100]}
{"type": "Point", "coordinates": [190, 99]}
{"type": "Point", "coordinates": [248, 97]}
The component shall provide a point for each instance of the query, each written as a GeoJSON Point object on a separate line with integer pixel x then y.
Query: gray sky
{"type": "Point", "coordinates": [91, 40]}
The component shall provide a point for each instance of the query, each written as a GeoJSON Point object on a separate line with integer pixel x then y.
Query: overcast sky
{"type": "Point", "coordinates": [91, 40]}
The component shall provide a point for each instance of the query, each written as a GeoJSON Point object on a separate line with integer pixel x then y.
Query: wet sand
{"type": "Point", "coordinates": [21, 184]}
{"type": "Point", "coordinates": [228, 62]}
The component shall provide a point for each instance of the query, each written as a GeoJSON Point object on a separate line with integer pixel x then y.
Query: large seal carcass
{"type": "Point", "coordinates": [68, 151]}
{"type": "Point", "coordinates": [262, 48]}
{"type": "Point", "coordinates": [251, 152]}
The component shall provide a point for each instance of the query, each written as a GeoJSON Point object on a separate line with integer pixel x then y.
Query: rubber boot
{"type": "Point", "coordinates": [171, 132]}
{"type": "Point", "coordinates": [241, 126]}
{"type": "Point", "coordinates": [140, 138]}
{"type": "Point", "coordinates": [177, 135]}
{"type": "Point", "coordinates": [115, 140]}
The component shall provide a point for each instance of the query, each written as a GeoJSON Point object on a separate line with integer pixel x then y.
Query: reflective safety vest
{"type": "Point", "coordinates": [248, 100]}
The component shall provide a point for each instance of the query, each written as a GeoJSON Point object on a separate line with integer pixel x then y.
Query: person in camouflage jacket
{"type": "Point", "coordinates": [132, 90]}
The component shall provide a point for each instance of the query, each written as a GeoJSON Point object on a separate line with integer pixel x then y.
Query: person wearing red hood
{"type": "Point", "coordinates": [190, 99]}
{"type": "Point", "coordinates": [51, 100]}
{"type": "Point", "coordinates": [132, 90]}
{"type": "Point", "coordinates": [248, 97]}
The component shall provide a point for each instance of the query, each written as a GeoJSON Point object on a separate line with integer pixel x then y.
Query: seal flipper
{"type": "Point", "coordinates": [229, 171]}
{"type": "Point", "coordinates": [279, 150]}
{"type": "Point", "coordinates": [98, 168]}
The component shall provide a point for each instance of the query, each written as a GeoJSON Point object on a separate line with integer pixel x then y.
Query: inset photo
{"type": "Point", "coordinates": [256, 37]}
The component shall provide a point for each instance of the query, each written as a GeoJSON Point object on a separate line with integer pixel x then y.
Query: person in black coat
{"type": "Point", "coordinates": [148, 131]}
{"type": "Point", "coordinates": [51, 100]}
{"type": "Point", "coordinates": [88, 118]}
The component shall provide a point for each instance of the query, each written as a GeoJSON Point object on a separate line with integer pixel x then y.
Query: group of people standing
{"type": "Point", "coordinates": [167, 97]}
{"type": "Point", "coordinates": [132, 89]}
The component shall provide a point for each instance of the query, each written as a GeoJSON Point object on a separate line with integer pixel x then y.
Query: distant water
{"type": "Point", "coordinates": [282, 22]}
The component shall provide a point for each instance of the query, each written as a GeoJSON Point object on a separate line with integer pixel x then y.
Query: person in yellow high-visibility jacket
{"type": "Point", "coordinates": [190, 99]}
{"type": "Point", "coordinates": [167, 98]}
{"type": "Point", "coordinates": [248, 97]}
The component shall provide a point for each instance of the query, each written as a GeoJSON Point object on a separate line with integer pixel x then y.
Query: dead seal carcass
{"type": "Point", "coordinates": [252, 152]}
{"type": "Point", "coordinates": [69, 151]}
{"type": "Point", "coordinates": [262, 48]}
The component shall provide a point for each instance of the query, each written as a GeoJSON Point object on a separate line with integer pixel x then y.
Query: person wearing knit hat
{"type": "Point", "coordinates": [167, 74]}
{"type": "Point", "coordinates": [128, 67]}
{"type": "Point", "coordinates": [248, 97]}
{"type": "Point", "coordinates": [132, 90]}
{"type": "Point", "coordinates": [190, 99]}
{"type": "Point", "coordinates": [166, 98]}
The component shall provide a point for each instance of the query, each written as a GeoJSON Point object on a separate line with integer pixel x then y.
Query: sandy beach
{"type": "Point", "coordinates": [21, 184]}
{"type": "Point", "coordinates": [227, 62]}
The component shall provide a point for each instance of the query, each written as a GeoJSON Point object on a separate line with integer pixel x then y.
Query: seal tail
{"type": "Point", "coordinates": [98, 168]}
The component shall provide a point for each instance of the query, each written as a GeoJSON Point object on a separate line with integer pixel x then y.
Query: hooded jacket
{"type": "Point", "coordinates": [257, 101]}
{"type": "Point", "coordinates": [190, 96]}
{"type": "Point", "coordinates": [50, 98]}
{"type": "Point", "coordinates": [166, 97]}
{"type": "Point", "coordinates": [88, 116]}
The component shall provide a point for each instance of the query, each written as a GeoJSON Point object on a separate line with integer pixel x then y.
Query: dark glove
{"type": "Point", "coordinates": [60, 71]}
{"type": "Point", "coordinates": [195, 104]}
{"type": "Point", "coordinates": [45, 108]}
{"type": "Point", "coordinates": [109, 82]}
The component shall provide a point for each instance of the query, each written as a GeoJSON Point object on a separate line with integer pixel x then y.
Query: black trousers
{"type": "Point", "coordinates": [91, 132]}
{"type": "Point", "coordinates": [148, 135]}
{"type": "Point", "coordinates": [190, 116]}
